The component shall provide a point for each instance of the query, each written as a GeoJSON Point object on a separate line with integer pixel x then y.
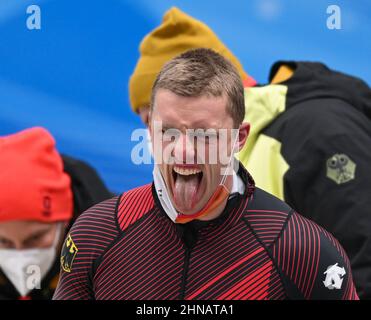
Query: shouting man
{"type": "Point", "coordinates": [201, 230]}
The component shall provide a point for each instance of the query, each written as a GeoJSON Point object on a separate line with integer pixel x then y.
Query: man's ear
{"type": "Point", "coordinates": [243, 134]}
{"type": "Point", "coordinates": [149, 119]}
{"type": "Point", "coordinates": [144, 113]}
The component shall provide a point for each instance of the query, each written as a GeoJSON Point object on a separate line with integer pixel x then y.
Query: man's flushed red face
{"type": "Point", "coordinates": [194, 174]}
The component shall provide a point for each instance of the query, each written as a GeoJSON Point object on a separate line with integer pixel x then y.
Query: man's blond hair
{"type": "Point", "coordinates": [202, 72]}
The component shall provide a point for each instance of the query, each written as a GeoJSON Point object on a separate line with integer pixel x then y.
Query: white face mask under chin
{"type": "Point", "coordinates": [26, 268]}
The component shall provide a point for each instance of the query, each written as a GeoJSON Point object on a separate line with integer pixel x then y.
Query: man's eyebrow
{"type": "Point", "coordinates": [5, 239]}
{"type": "Point", "coordinates": [196, 126]}
{"type": "Point", "coordinates": [37, 234]}
{"type": "Point", "coordinates": [209, 132]}
{"type": "Point", "coordinates": [168, 127]}
{"type": "Point", "coordinates": [201, 124]}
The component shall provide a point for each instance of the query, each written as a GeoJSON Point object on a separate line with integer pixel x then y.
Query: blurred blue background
{"type": "Point", "coordinates": [72, 75]}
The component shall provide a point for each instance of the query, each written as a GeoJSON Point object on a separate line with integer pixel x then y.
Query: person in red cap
{"type": "Point", "coordinates": [41, 193]}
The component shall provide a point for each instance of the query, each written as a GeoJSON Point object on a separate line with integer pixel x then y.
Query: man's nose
{"type": "Point", "coordinates": [184, 150]}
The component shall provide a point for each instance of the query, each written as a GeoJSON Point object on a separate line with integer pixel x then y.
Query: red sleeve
{"type": "Point", "coordinates": [313, 261]}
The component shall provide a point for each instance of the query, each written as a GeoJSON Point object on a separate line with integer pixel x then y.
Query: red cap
{"type": "Point", "coordinates": [33, 185]}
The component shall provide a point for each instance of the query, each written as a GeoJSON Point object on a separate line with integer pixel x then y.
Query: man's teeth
{"type": "Point", "coordinates": [186, 172]}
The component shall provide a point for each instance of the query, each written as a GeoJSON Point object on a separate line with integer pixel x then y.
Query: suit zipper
{"type": "Point", "coordinates": [185, 273]}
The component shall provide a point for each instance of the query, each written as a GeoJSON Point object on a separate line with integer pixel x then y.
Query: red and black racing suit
{"type": "Point", "coordinates": [258, 248]}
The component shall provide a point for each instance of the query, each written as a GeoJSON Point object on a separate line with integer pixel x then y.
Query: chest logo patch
{"type": "Point", "coordinates": [334, 277]}
{"type": "Point", "coordinates": [340, 168]}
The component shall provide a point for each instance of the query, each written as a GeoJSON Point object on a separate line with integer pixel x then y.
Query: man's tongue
{"type": "Point", "coordinates": [186, 190]}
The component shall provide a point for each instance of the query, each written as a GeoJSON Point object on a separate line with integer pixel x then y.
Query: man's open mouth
{"type": "Point", "coordinates": [187, 181]}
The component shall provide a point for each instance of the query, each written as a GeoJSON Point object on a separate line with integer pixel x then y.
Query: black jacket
{"type": "Point", "coordinates": [313, 133]}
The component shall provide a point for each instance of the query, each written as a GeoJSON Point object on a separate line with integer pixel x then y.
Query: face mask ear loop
{"type": "Point", "coordinates": [231, 159]}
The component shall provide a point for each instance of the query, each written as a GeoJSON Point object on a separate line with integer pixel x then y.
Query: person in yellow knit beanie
{"type": "Point", "coordinates": [177, 33]}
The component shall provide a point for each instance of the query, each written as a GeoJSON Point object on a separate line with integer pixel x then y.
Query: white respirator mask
{"type": "Point", "coordinates": [27, 267]}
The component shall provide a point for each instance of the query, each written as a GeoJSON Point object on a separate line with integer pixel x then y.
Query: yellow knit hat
{"type": "Point", "coordinates": [178, 33]}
